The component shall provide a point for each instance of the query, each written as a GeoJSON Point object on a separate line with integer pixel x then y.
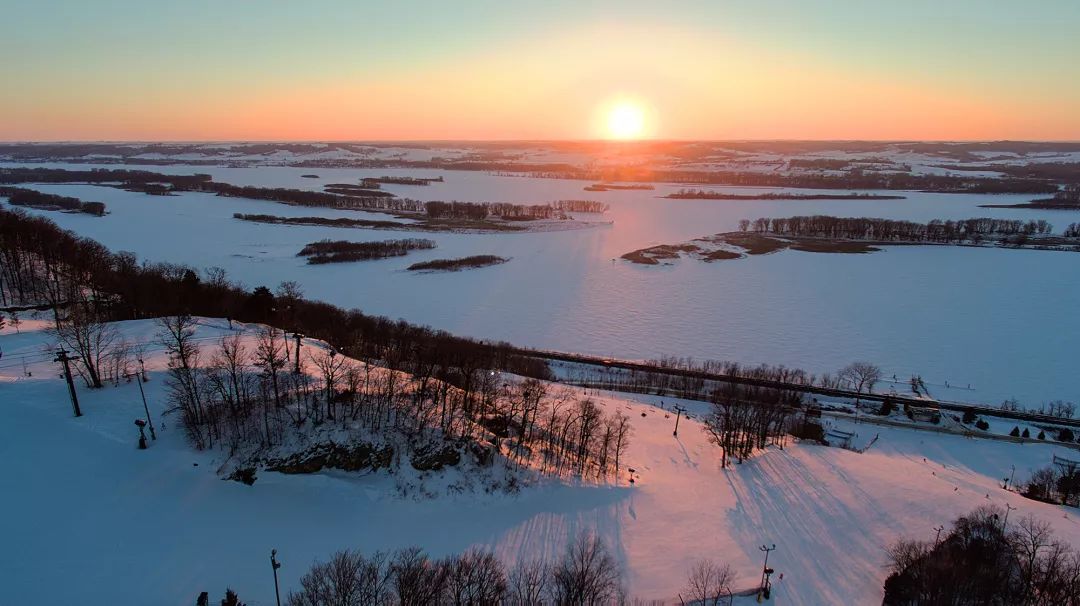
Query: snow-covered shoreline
{"type": "Point", "coordinates": [164, 521]}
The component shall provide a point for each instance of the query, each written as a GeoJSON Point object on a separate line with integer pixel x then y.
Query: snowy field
{"type": "Point", "coordinates": [89, 519]}
{"type": "Point", "coordinates": [999, 321]}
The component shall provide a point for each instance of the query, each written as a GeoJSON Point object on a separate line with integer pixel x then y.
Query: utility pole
{"type": "Point", "coordinates": [297, 336]}
{"type": "Point", "coordinates": [766, 571]}
{"type": "Point", "coordinates": [62, 356]}
{"type": "Point", "coordinates": [149, 421]}
{"type": "Point", "coordinates": [275, 565]}
{"type": "Point", "coordinates": [937, 537]}
{"type": "Point", "coordinates": [678, 413]}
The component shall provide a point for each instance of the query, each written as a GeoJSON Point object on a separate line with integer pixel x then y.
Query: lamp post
{"type": "Point", "coordinates": [1005, 522]}
{"type": "Point", "coordinates": [146, 409]}
{"type": "Point", "coordinates": [765, 571]}
{"type": "Point", "coordinates": [678, 413]}
{"type": "Point", "coordinates": [275, 565]}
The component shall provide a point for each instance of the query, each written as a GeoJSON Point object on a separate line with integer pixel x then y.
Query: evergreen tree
{"type": "Point", "coordinates": [1015, 432]}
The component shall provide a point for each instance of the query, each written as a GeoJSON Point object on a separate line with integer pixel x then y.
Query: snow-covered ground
{"type": "Point", "coordinates": [997, 320]}
{"type": "Point", "coordinates": [89, 519]}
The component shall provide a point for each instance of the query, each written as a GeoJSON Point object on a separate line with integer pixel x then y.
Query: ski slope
{"type": "Point", "coordinates": [89, 519]}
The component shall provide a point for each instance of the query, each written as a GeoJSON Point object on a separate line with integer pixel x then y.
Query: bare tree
{"type": "Point", "coordinates": [178, 336]}
{"type": "Point", "coordinates": [708, 582]}
{"type": "Point", "coordinates": [417, 580]}
{"type": "Point", "coordinates": [90, 338]}
{"type": "Point", "coordinates": [347, 579]}
{"type": "Point", "coordinates": [529, 583]}
{"type": "Point", "coordinates": [587, 574]}
{"type": "Point", "coordinates": [862, 376]}
{"type": "Point", "coordinates": [475, 577]}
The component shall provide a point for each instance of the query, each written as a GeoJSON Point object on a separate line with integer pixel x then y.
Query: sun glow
{"type": "Point", "coordinates": [626, 120]}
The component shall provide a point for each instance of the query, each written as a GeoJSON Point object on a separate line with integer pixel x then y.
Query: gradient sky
{"type": "Point", "coordinates": [712, 69]}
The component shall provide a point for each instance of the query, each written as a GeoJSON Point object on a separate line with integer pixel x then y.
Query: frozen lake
{"type": "Point", "coordinates": [1004, 322]}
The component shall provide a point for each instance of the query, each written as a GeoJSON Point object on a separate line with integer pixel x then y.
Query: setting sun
{"type": "Point", "coordinates": [625, 121]}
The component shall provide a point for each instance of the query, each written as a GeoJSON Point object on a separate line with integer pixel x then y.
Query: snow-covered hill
{"type": "Point", "coordinates": [88, 518]}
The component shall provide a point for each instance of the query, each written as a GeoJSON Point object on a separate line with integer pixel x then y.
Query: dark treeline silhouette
{"type": "Point", "coordinates": [1055, 483]}
{"type": "Point", "coordinates": [851, 181]}
{"type": "Point", "coordinates": [581, 206]}
{"type": "Point", "coordinates": [457, 264]}
{"type": "Point", "coordinates": [338, 251]}
{"type": "Point", "coordinates": [1068, 197]}
{"type": "Point", "coordinates": [619, 186]}
{"type": "Point", "coordinates": [819, 163]}
{"type": "Point", "coordinates": [479, 211]}
{"type": "Point", "coordinates": [347, 189]}
{"type": "Point", "coordinates": [380, 201]}
{"type": "Point", "coordinates": [341, 196]}
{"type": "Point", "coordinates": [18, 196]}
{"type": "Point", "coordinates": [587, 574]}
{"type": "Point", "coordinates": [703, 194]}
{"type": "Point", "coordinates": [891, 230]}
{"type": "Point", "coordinates": [376, 181]}
{"type": "Point", "coordinates": [322, 221]}
{"type": "Point", "coordinates": [99, 175]}
{"type": "Point", "coordinates": [980, 561]}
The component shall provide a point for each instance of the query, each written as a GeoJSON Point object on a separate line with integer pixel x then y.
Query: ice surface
{"type": "Point", "coordinates": [1000, 321]}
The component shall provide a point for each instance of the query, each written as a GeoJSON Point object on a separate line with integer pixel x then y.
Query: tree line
{"type": "Point", "coordinates": [18, 196]}
{"type": "Point", "coordinates": [339, 196]}
{"type": "Point", "coordinates": [585, 574]}
{"type": "Point", "coordinates": [980, 561]}
{"type": "Point", "coordinates": [480, 211]}
{"type": "Point", "coordinates": [853, 180]}
{"type": "Point", "coordinates": [377, 181]}
{"type": "Point", "coordinates": [892, 230]}
{"type": "Point", "coordinates": [703, 194]}
{"type": "Point", "coordinates": [338, 251]}
{"type": "Point", "coordinates": [1054, 483]}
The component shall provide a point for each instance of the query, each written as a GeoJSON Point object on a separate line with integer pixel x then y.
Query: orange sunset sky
{"type": "Point", "coordinates": [554, 70]}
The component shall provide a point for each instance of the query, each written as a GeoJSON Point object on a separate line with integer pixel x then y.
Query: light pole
{"type": "Point", "coordinates": [275, 565]}
{"type": "Point", "coordinates": [146, 409]}
{"type": "Point", "coordinates": [937, 537]}
{"type": "Point", "coordinates": [678, 413]}
{"type": "Point", "coordinates": [1008, 508]}
{"type": "Point", "coordinates": [766, 571]}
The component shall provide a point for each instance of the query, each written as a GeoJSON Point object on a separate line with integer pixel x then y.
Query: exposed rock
{"type": "Point", "coordinates": [244, 474]}
{"type": "Point", "coordinates": [356, 457]}
{"type": "Point", "coordinates": [434, 458]}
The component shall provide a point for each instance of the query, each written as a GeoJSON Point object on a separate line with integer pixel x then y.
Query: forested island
{"type": "Point", "coordinates": [18, 196]}
{"type": "Point", "coordinates": [702, 194]}
{"type": "Point", "coordinates": [459, 264]}
{"type": "Point", "coordinates": [421, 181]}
{"type": "Point", "coordinates": [825, 234]}
{"type": "Point", "coordinates": [1067, 199]}
{"type": "Point", "coordinates": [342, 251]}
{"type": "Point", "coordinates": [614, 186]}
{"type": "Point", "coordinates": [476, 217]}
